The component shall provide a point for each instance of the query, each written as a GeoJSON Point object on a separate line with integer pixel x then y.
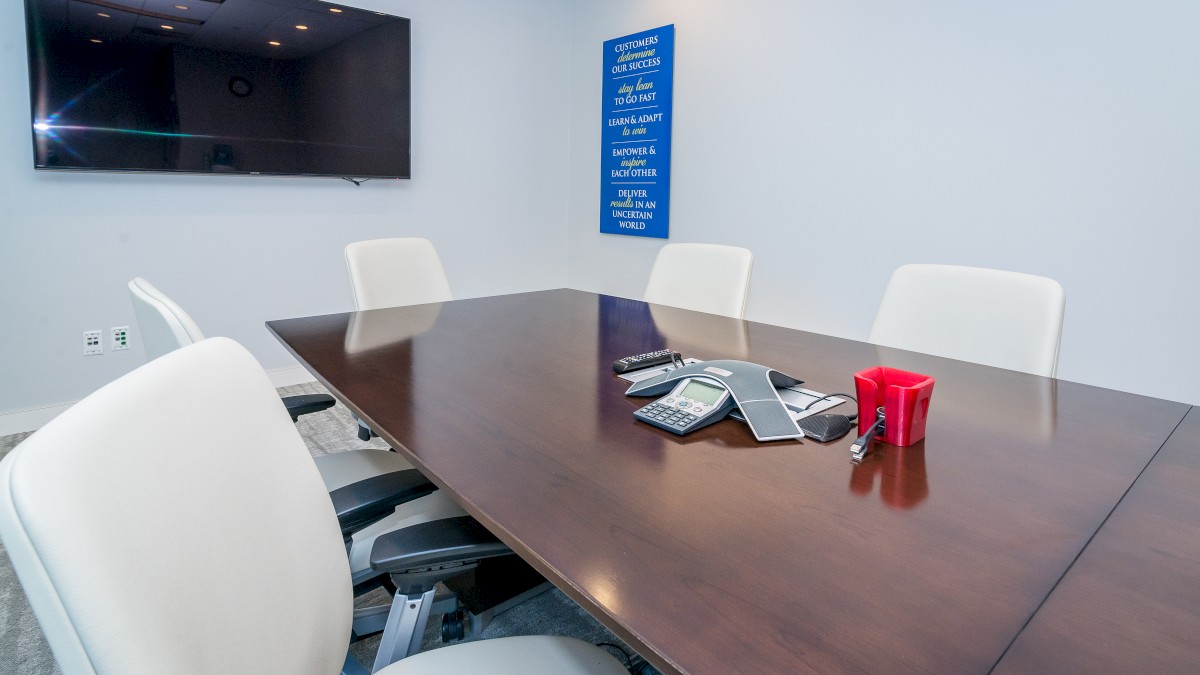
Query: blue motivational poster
{"type": "Point", "coordinates": [635, 152]}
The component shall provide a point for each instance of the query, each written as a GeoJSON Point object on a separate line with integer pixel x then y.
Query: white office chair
{"type": "Point", "coordinates": [1003, 319]}
{"type": "Point", "coordinates": [165, 327]}
{"type": "Point", "coordinates": [403, 272]}
{"type": "Point", "coordinates": [396, 273]}
{"type": "Point", "coordinates": [365, 484]}
{"type": "Point", "coordinates": [137, 560]}
{"type": "Point", "coordinates": [703, 277]}
{"type": "Point", "coordinates": [162, 324]}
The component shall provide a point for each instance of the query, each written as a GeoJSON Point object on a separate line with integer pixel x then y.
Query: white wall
{"type": "Point", "coordinates": [836, 140]}
{"type": "Point", "coordinates": [839, 139]}
{"type": "Point", "coordinates": [489, 188]}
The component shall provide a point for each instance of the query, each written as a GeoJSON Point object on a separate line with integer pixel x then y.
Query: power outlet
{"type": "Point", "coordinates": [92, 344]}
{"type": "Point", "coordinates": [120, 338]}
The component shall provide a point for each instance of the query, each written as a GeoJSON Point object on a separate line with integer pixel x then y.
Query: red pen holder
{"type": "Point", "coordinates": [904, 397]}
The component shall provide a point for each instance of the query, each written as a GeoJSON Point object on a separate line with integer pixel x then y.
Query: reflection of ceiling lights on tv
{"type": "Point", "coordinates": [104, 104]}
{"type": "Point", "coordinates": [137, 10]}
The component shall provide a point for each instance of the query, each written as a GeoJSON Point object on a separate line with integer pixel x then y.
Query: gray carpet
{"type": "Point", "coordinates": [23, 647]}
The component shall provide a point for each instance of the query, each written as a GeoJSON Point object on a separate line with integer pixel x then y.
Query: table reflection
{"type": "Point", "coordinates": [693, 334]}
{"type": "Point", "coordinates": [1031, 399]}
{"type": "Point", "coordinates": [373, 329]}
{"type": "Point", "coordinates": [904, 482]}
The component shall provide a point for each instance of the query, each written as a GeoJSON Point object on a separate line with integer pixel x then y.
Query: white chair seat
{"type": "Point", "coordinates": [512, 656]}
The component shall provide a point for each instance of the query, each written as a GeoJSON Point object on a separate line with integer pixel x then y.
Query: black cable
{"type": "Point", "coordinates": [858, 449]}
{"type": "Point", "coordinates": [624, 654]}
{"type": "Point", "coordinates": [815, 401]}
{"type": "Point", "coordinates": [357, 183]}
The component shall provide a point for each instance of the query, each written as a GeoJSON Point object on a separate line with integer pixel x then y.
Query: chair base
{"type": "Point", "coordinates": [484, 589]}
{"type": "Point", "coordinates": [365, 433]}
{"type": "Point", "coordinates": [371, 620]}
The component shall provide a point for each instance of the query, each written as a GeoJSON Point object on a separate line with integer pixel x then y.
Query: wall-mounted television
{"type": "Point", "coordinates": [283, 87]}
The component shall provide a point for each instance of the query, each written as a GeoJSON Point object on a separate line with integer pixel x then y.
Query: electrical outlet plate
{"type": "Point", "coordinates": [120, 338]}
{"type": "Point", "coordinates": [92, 343]}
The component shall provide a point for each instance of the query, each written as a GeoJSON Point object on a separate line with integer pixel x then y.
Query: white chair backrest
{"type": "Point", "coordinates": [162, 324]}
{"type": "Point", "coordinates": [164, 522]}
{"type": "Point", "coordinates": [702, 277]}
{"type": "Point", "coordinates": [396, 273]}
{"type": "Point", "coordinates": [1003, 319]}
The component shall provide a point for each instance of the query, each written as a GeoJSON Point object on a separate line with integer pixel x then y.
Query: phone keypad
{"type": "Point", "coordinates": [669, 415]}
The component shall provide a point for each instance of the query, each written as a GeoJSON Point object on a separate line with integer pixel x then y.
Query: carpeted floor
{"type": "Point", "coordinates": [23, 647]}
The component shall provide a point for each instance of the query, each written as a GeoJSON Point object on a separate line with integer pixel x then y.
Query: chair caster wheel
{"type": "Point", "coordinates": [452, 626]}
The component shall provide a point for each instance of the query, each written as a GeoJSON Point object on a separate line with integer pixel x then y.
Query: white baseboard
{"type": "Point", "coordinates": [18, 421]}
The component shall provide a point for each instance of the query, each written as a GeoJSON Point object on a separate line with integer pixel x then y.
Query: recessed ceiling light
{"type": "Point", "coordinates": [335, 10]}
{"type": "Point", "coordinates": [107, 16]}
{"type": "Point", "coordinates": [301, 27]}
{"type": "Point", "coordinates": [96, 41]}
{"type": "Point", "coordinates": [273, 43]}
{"type": "Point", "coordinates": [166, 27]}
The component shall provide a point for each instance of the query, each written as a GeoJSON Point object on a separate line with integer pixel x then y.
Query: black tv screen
{"type": "Point", "coordinates": [292, 87]}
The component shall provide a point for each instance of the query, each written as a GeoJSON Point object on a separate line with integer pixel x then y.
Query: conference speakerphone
{"type": "Point", "coordinates": [751, 387]}
{"type": "Point", "coordinates": [693, 404]}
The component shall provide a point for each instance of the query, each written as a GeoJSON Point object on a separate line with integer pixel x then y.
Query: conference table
{"type": "Point", "coordinates": [1041, 525]}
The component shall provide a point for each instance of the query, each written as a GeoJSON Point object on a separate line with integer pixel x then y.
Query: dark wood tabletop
{"type": "Point", "coordinates": [1131, 603]}
{"type": "Point", "coordinates": [714, 553]}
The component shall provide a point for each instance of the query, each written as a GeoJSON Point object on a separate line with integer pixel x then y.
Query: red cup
{"type": "Point", "coordinates": [904, 397]}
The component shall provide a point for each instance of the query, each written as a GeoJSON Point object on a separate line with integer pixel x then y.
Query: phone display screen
{"type": "Point", "coordinates": [701, 391]}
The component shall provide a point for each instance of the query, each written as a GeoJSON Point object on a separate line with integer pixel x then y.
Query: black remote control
{"type": "Point", "coordinates": [647, 360]}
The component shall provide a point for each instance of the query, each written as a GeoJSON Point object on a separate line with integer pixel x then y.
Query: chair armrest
{"type": "Point", "coordinates": [438, 542]}
{"type": "Point", "coordinates": [363, 502]}
{"type": "Point", "coordinates": [307, 403]}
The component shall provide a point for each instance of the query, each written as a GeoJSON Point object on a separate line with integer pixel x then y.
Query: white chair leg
{"type": "Point", "coordinates": [405, 628]}
{"type": "Point", "coordinates": [373, 619]}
